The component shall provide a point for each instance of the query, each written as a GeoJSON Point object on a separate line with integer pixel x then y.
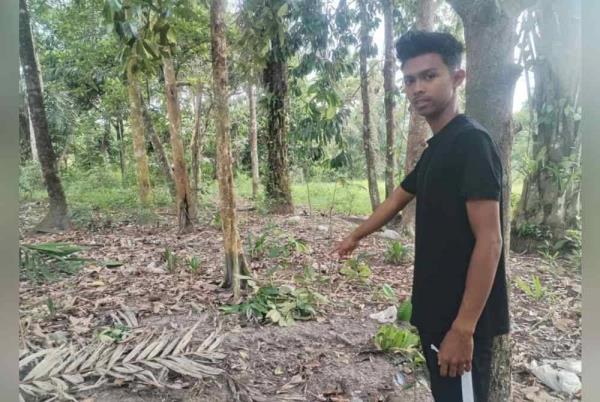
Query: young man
{"type": "Point", "coordinates": [459, 287]}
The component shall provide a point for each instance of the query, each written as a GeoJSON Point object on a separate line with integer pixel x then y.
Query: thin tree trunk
{"type": "Point", "coordinates": [34, 152]}
{"type": "Point", "coordinates": [253, 141]}
{"type": "Point", "coordinates": [389, 73]}
{"type": "Point", "coordinates": [196, 146]}
{"type": "Point", "coordinates": [137, 128]}
{"type": "Point", "coordinates": [185, 205]}
{"type": "Point", "coordinates": [235, 262]}
{"type": "Point", "coordinates": [159, 150]}
{"type": "Point", "coordinates": [550, 192]}
{"type": "Point", "coordinates": [367, 128]}
{"type": "Point", "coordinates": [490, 36]}
{"type": "Point", "coordinates": [418, 130]}
{"type": "Point", "coordinates": [57, 217]}
{"type": "Point", "coordinates": [119, 130]}
{"type": "Point", "coordinates": [24, 133]}
{"type": "Point", "coordinates": [277, 182]}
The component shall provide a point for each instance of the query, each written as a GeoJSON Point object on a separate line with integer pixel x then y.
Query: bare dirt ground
{"type": "Point", "coordinates": [331, 358]}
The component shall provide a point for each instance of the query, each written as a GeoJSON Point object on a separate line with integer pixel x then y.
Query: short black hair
{"type": "Point", "coordinates": [416, 43]}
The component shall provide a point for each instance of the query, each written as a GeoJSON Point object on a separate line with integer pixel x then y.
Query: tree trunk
{"type": "Point", "coordinates": [57, 217]}
{"type": "Point", "coordinates": [235, 262]}
{"type": "Point", "coordinates": [196, 146]}
{"type": "Point", "coordinates": [367, 129]}
{"type": "Point", "coordinates": [418, 129]}
{"type": "Point", "coordinates": [104, 145]}
{"type": "Point", "coordinates": [490, 36]}
{"type": "Point", "coordinates": [137, 128]}
{"type": "Point", "coordinates": [159, 150]}
{"type": "Point", "coordinates": [24, 133]}
{"type": "Point", "coordinates": [185, 205]}
{"type": "Point", "coordinates": [253, 140]}
{"type": "Point", "coordinates": [277, 182]}
{"type": "Point", "coordinates": [389, 77]}
{"type": "Point", "coordinates": [550, 197]}
{"type": "Point", "coordinates": [119, 130]}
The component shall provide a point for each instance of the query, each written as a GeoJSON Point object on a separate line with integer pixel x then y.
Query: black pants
{"type": "Point", "coordinates": [450, 389]}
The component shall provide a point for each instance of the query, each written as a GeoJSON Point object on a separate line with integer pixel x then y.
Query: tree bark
{"type": "Point", "coordinates": [196, 146]}
{"type": "Point", "coordinates": [57, 217]}
{"type": "Point", "coordinates": [490, 36]}
{"type": "Point", "coordinates": [418, 130]}
{"type": "Point", "coordinates": [119, 130]}
{"type": "Point", "coordinates": [185, 206]}
{"type": "Point", "coordinates": [253, 140]}
{"type": "Point", "coordinates": [235, 262]}
{"type": "Point", "coordinates": [367, 129]}
{"type": "Point", "coordinates": [389, 76]}
{"type": "Point", "coordinates": [159, 150]}
{"type": "Point", "coordinates": [277, 182]}
{"type": "Point", "coordinates": [24, 133]}
{"type": "Point", "coordinates": [550, 197]}
{"type": "Point", "coordinates": [137, 128]}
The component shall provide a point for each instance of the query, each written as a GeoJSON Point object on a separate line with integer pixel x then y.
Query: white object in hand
{"type": "Point", "coordinates": [466, 382]}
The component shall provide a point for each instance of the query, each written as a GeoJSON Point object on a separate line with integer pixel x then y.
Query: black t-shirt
{"type": "Point", "coordinates": [460, 163]}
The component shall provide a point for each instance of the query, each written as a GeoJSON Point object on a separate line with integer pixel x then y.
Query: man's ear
{"type": "Point", "coordinates": [459, 77]}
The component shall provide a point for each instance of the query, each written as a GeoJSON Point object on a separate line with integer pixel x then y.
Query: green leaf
{"type": "Point", "coordinates": [282, 10]}
{"type": "Point", "coordinates": [404, 311]}
{"type": "Point", "coordinates": [171, 37]}
{"type": "Point", "coordinates": [330, 114]}
{"type": "Point", "coordinates": [112, 264]}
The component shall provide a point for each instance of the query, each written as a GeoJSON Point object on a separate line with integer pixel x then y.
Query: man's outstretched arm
{"type": "Point", "coordinates": [382, 215]}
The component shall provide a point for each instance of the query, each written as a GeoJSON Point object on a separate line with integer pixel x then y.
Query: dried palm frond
{"type": "Point", "coordinates": [145, 358]}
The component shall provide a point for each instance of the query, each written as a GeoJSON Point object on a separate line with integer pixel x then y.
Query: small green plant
{"type": "Point", "coordinates": [404, 311]}
{"type": "Point", "coordinates": [114, 334]}
{"type": "Point", "coordinates": [387, 293]}
{"type": "Point", "coordinates": [390, 338]}
{"type": "Point", "coordinates": [279, 305]}
{"type": "Point", "coordinates": [170, 259]}
{"type": "Point", "coordinates": [193, 264]}
{"type": "Point", "coordinates": [51, 307]}
{"type": "Point", "coordinates": [217, 222]}
{"type": "Point", "coordinates": [356, 270]}
{"type": "Point", "coordinates": [534, 290]}
{"type": "Point", "coordinates": [396, 253]}
{"type": "Point", "coordinates": [257, 245]}
{"type": "Point", "coordinates": [46, 262]}
{"type": "Point", "coordinates": [298, 245]}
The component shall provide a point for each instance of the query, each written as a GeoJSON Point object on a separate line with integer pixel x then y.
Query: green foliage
{"type": "Point", "coordinates": [529, 230]}
{"type": "Point", "coordinates": [113, 334]}
{"type": "Point", "coordinates": [171, 260]}
{"type": "Point", "coordinates": [355, 269]}
{"type": "Point", "coordinates": [269, 244]}
{"type": "Point", "coordinates": [47, 262]}
{"type": "Point", "coordinates": [279, 305]}
{"type": "Point", "coordinates": [535, 290]}
{"type": "Point", "coordinates": [193, 264]}
{"type": "Point", "coordinates": [404, 311]}
{"type": "Point", "coordinates": [396, 253]}
{"type": "Point", "coordinates": [390, 338]}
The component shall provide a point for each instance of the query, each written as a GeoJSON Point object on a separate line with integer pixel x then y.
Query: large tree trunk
{"type": "Point", "coordinates": [418, 129]}
{"type": "Point", "coordinates": [277, 182]}
{"type": "Point", "coordinates": [57, 217]}
{"type": "Point", "coordinates": [235, 262]}
{"type": "Point", "coordinates": [253, 141]}
{"type": "Point", "coordinates": [24, 133]}
{"type": "Point", "coordinates": [367, 129]}
{"type": "Point", "coordinates": [490, 36]}
{"type": "Point", "coordinates": [159, 150]}
{"type": "Point", "coordinates": [137, 128]}
{"type": "Point", "coordinates": [185, 205]}
{"type": "Point", "coordinates": [389, 77]}
{"type": "Point", "coordinates": [550, 197]}
{"type": "Point", "coordinates": [196, 145]}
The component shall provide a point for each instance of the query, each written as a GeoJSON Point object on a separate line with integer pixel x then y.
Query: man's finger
{"type": "Point", "coordinates": [443, 369]}
{"type": "Point", "coordinates": [452, 369]}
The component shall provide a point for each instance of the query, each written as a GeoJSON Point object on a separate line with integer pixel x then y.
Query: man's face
{"type": "Point", "coordinates": [429, 84]}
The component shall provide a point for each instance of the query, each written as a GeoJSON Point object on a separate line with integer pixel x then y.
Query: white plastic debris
{"type": "Point", "coordinates": [574, 366]}
{"type": "Point", "coordinates": [386, 316]}
{"type": "Point", "coordinates": [323, 228]}
{"type": "Point", "coordinates": [558, 379]}
{"type": "Point", "coordinates": [390, 234]}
